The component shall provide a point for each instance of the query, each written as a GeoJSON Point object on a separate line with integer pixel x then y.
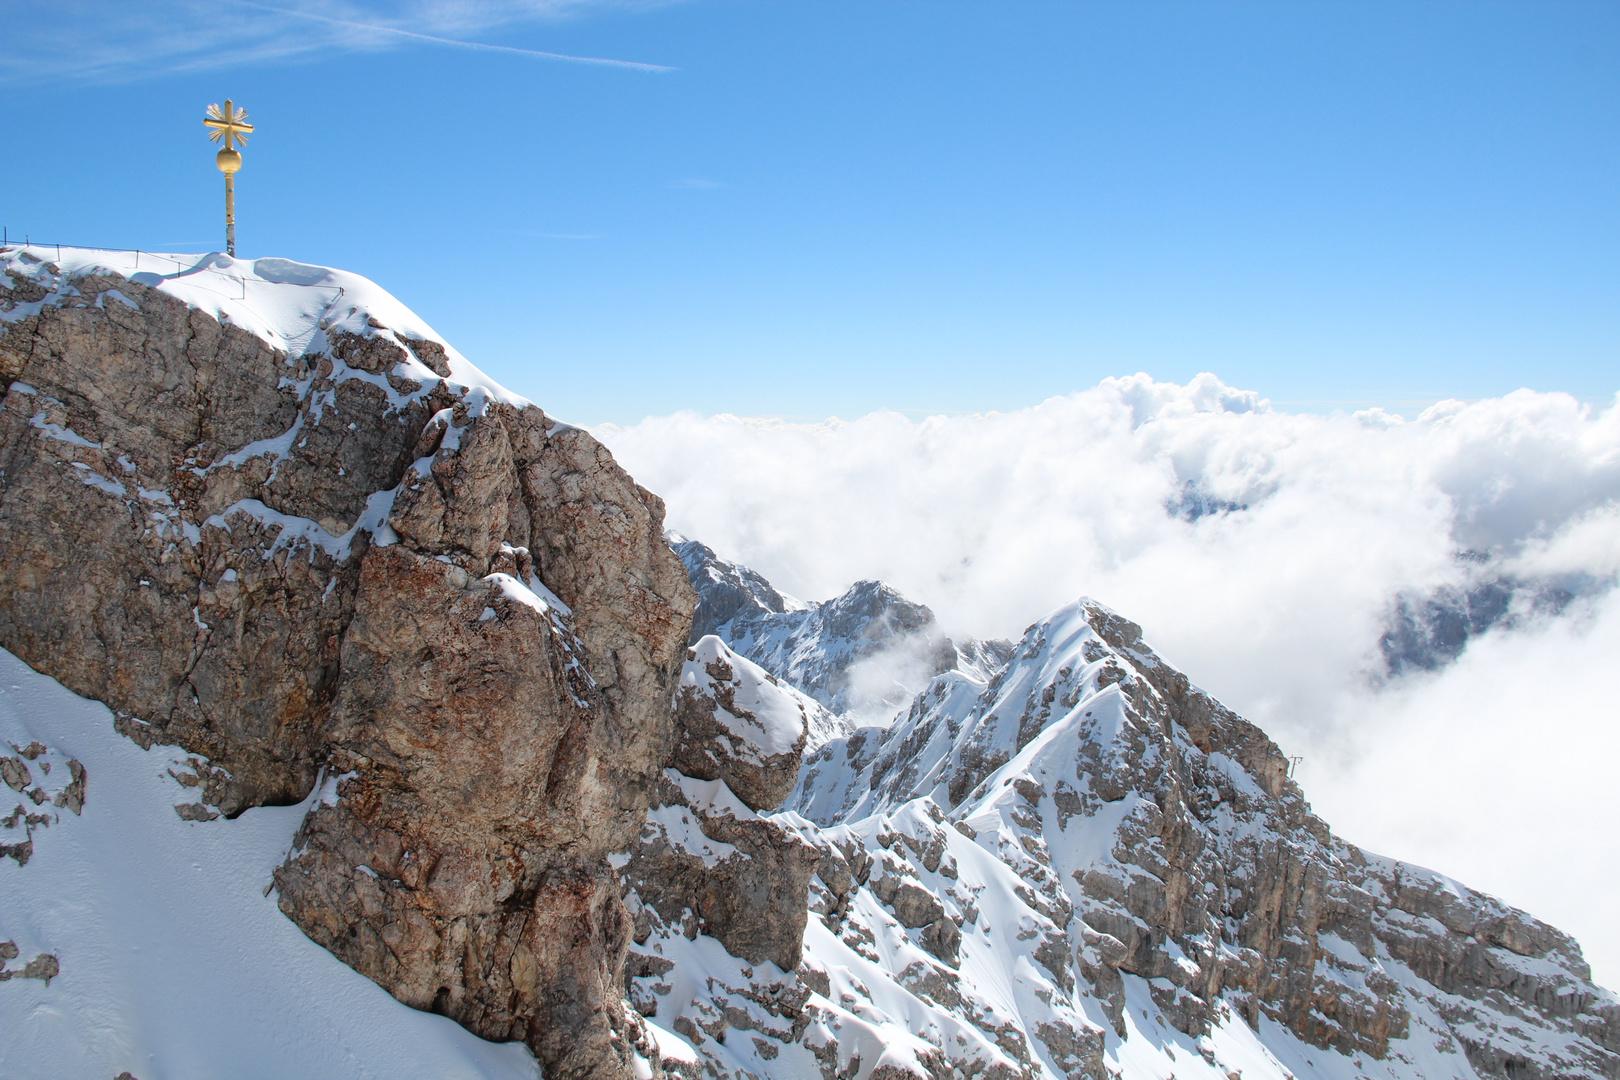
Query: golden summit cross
{"type": "Point", "coordinates": [228, 125]}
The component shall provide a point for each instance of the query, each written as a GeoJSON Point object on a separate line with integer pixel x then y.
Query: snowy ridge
{"type": "Point", "coordinates": [852, 653]}
{"type": "Point", "coordinates": [294, 307]}
{"type": "Point", "coordinates": [1085, 867]}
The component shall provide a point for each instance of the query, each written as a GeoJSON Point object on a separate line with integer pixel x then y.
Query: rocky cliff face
{"type": "Point", "coordinates": [263, 513]}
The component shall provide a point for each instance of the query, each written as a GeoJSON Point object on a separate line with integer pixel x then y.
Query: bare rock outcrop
{"type": "Point", "coordinates": [705, 860]}
{"type": "Point", "coordinates": [324, 545]}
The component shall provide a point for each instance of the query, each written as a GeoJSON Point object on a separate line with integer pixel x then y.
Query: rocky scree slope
{"type": "Point", "coordinates": [265, 514]}
{"type": "Point", "coordinates": [1082, 866]}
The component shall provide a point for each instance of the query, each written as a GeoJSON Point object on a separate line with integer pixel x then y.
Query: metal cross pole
{"type": "Point", "coordinates": [228, 125]}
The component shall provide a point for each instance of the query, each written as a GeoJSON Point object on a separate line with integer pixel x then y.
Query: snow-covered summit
{"type": "Point", "coordinates": [295, 307]}
{"type": "Point", "coordinates": [1184, 911]}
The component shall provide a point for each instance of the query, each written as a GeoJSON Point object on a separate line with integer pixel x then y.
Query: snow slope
{"type": "Point", "coordinates": [175, 963]}
{"type": "Point", "coordinates": [771, 717]}
{"type": "Point", "coordinates": [290, 305]}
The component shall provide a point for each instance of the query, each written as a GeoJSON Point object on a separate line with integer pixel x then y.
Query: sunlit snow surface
{"type": "Point", "coordinates": [773, 714]}
{"type": "Point", "coordinates": [175, 964]}
{"type": "Point", "coordinates": [289, 305]}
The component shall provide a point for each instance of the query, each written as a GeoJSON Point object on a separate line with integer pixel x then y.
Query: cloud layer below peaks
{"type": "Point", "coordinates": [1371, 589]}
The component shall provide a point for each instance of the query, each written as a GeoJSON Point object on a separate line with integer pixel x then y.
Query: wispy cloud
{"type": "Point", "coordinates": [110, 41]}
{"type": "Point", "coordinates": [435, 39]}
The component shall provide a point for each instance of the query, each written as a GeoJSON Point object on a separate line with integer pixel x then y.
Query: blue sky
{"type": "Point", "coordinates": [829, 208]}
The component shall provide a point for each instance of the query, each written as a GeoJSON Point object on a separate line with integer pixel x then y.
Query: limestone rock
{"type": "Point", "coordinates": [705, 863]}
{"type": "Point", "coordinates": [331, 547]}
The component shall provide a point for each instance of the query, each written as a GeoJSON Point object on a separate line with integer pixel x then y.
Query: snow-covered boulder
{"type": "Point", "coordinates": [736, 722]}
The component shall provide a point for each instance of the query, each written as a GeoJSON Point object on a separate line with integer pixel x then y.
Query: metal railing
{"type": "Point", "coordinates": [7, 244]}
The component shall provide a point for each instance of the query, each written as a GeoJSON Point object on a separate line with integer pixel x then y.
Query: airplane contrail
{"type": "Point", "coordinates": [456, 42]}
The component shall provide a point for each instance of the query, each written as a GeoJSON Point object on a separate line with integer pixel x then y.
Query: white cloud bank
{"type": "Point", "coordinates": [1498, 769]}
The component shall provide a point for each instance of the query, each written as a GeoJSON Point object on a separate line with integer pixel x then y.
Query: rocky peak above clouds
{"type": "Point", "coordinates": [265, 514]}
{"type": "Point", "coordinates": [1083, 866]}
{"type": "Point", "coordinates": [865, 651]}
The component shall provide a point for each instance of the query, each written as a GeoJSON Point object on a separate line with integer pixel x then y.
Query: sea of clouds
{"type": "Point", "coordinates": [1266, 554]}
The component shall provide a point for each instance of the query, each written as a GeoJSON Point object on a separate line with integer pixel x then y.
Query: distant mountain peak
{"type": "Point", "coordinates": [729, 591]}
{"type": "Point", "coordinates": [864, 652]}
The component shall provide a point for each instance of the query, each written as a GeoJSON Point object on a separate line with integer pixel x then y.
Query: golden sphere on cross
{"type": "Point", "coordinates": [229, 161]}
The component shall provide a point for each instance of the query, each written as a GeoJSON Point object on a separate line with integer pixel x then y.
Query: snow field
{"type": "Point", "coordinates": [175, 963]}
